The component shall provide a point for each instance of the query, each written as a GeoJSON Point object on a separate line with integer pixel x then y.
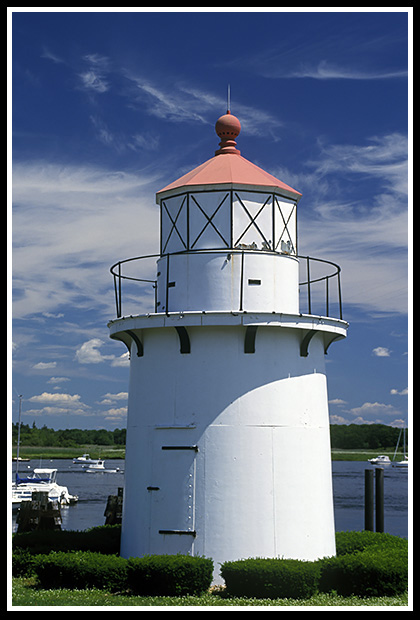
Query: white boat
{"type": "Point", "coordinates": [44, 480]}
{"type": "Point", "coordinates": [382, 459]}
{"type": "Point", "coordinates": [100, 467]}
{"type": "Point", "coordinates": [404, 462]}
{"type": "Point", "coordinates": [85, 460]}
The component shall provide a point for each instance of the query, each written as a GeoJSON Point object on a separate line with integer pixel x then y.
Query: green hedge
{"type": "Point", "coordinates": [349, 542]}
{"type": "Point", "coordinates": [271, 578]}
{"type": "Point", "coordinates": [367, 564]}
{"type": "Point", "coordinates": [169, 575]}
{"type": "Point", "coordinates": [164, 575]}
{"type": "Point", "coordinates": [81, 569]}
{"type": "Point", "coordinates": [376, 571]}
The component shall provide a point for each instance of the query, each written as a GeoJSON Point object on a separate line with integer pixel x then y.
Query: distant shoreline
{"type": "Point", "coordinates": [35, 453]}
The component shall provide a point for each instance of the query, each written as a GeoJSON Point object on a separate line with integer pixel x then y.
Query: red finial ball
{"type": "Point", "coordinates": [228, 126]}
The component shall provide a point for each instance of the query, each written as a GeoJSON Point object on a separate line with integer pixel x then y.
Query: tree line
{"type": "Point", "coordinates": [68, 438]}
{"type": "Point", "coordinates": [365, 436]}
{"type": "Point", "coordinates": [343, 436]}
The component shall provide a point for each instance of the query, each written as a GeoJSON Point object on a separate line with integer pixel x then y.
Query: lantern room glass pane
{"type": "Point", "coordinates": [174, 224]}
{"type": "Point", "coordinates": [253, 220]}
{"type": "Point", "coordinates": [209, 220]}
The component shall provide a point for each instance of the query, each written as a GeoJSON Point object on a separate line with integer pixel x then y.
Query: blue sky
{"type": "Point", "coordinates": [109, 107]}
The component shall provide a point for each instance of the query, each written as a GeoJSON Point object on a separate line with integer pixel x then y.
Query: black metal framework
{"type": "Point", "coordinates": [174, 222]}
{"type": "Point", "coordinates": [229, 236]}
{"type": "Point", "coordinates": [293, 250]}
{"type": "Point", "coordinates": [209, 221]}
{"type": "Point", "coordinates": [195, 448]}
{"type": "Point", "coordinates": [180, 532]}
{"type": "Point", "coordinates": [322, 300]}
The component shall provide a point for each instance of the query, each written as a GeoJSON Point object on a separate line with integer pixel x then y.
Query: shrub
{"type": "Point", "coordinates": [22, 563]}
{"type": "Point", "coordinates": [271, 578]}
{"type": "Point", "coordinates": [104, 539]}
{"type": "Point", "coordinates": [169, 575]}
{"type": "Point", "coordinates": [376, 571]}
{"type": "Point", "coordinates": [81, 569]}
{"type": "Point", "coordinates": [349, 542]}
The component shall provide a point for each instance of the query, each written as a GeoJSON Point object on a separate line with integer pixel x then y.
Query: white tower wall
{"type": "Point", "coordinates": [228, 453]}
{"type": "Point", "coordinates": [228, 281]}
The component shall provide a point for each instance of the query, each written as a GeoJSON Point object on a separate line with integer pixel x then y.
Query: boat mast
{"type": "Point", "coordinates": [18, 440]}
{"type": "Point", "coordinates": [398, 443]}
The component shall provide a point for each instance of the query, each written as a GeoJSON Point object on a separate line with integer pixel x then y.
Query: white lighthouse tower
{"type": "Point", "coordinates": [228, 445]}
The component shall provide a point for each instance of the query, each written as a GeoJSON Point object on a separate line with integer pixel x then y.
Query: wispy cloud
{"type": "Point", "coordinates": [326, 70]}
{"type": "Point", "coordinates": [69, 226]}
{"type": "Point", "coordinates": [94, 77]}
{"type": "Point", "coordinates": [46, 53]}
{"type": "Point", "coordinates": [330, 47]}
{"type": "Point", "coordinates": [367, 237]}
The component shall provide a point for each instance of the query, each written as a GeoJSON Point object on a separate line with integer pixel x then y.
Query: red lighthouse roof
{"type": "Point", "coordinates": [228, 168]}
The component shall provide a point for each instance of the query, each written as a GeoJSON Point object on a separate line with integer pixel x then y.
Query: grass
{"type": "Point", "coordinates": [25, 593]}
{"type": "Point", "coordinates": [51, 452]}
{"type": "Point", "coordinates": [359, 455]}
{"type": "Point", "coordinates": [114, 452]}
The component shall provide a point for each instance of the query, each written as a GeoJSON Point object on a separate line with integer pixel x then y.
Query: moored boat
{"type": "Point", "coordinates": [382, 459]}
{"type": "Point", "coordinates": [85, 459]}
{"type": "Point", "coordinates": [41, 479]}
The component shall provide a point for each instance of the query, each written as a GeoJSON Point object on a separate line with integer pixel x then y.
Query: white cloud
{"type": "Point", "coordinates": [338, 419]}
{"type": "Point", "coordinates": [54, 380]}
{"type": "Point", "coordinates": [374, 410]}
{"type": "Point", "coordinates": [92, 80]}
{"type": "Point", "coordinates": [69, 227]}
{"type": "Point", "coordinates": [56, 404]}
{"type": "Point", "coordinates": [325, 70]}
{"type": "Point", "coordinates": [368, 238]}
{"type": "Point", "coordinates": [337, 401]}
{"type": "Point", "coordinates": [109, 399]}
{"type": "Point", "coordinates": [55, 411]}
{"type": "Point", "coordinates": [46, 397]}
{"type": "Point", "coordinates": [122, 361]}
{"type": "Point", "coordinates": [403, 392]}
{"type": "Point", "coordinates": [88, 352]}
{"type": "Point", "coordinates": [44, 365]}
{"type": "Point", "coordinates": [381, 352]}
{"type": "Point", "coordinates": [116, 414]}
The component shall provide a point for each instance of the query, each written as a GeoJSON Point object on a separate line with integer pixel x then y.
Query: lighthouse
{"type": "Point", "coordinates": [228, 444]}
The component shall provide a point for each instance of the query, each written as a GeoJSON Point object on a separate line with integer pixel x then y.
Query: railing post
{"type": "Point", "coordinates": [167, 285]}
{"type": "Point", "coordinates": [116, 294]}
{"type": "Point", "coordinates": [119, 306]}
{"type": "Point", "coordinates": [339, 293]}
{"type": "Point", "coordinates": [241, 292]}
{"type": "Point", "coordinates": [327, 309]}
{"type": "Point", "coordinates": [309, 285]}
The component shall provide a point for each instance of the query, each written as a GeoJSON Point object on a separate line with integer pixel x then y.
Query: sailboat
{"type": "Point", "coordinates": [404, 462]}
{"type": "Point", "coordinates": [38, 480]}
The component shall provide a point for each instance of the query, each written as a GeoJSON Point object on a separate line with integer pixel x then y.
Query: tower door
{"type": "Point", "coordinates": [172, 510]}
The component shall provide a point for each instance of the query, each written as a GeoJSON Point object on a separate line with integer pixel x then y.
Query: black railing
{"type": "Point", "coordinates": [311, 292]}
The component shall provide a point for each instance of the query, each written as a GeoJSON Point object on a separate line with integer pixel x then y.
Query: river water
{"type": "Point", "coordinates": [93, 490]}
